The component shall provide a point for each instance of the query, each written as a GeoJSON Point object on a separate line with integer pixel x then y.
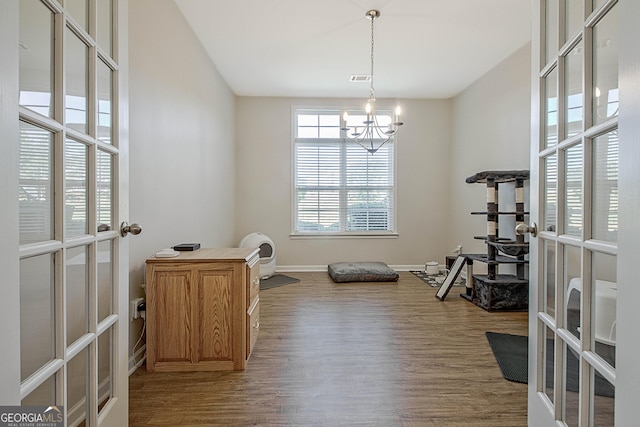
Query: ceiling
{"type": "Point", "coordinates": [310, 48]}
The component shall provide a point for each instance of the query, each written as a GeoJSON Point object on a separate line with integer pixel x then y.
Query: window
{"type": "Point", "coordinates": [339, 188]}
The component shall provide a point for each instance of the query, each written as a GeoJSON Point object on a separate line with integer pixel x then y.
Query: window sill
{"type": "Point", "coordinates": [355, 235]}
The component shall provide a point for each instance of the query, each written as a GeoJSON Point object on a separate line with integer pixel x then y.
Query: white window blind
{"type": "Point", "coordinates": [605, 187]}
{"type": "Point", "coordinates": [339, 186]}
{"type": "Point", "coordinates": [36, 184]}
{"type": "Point", "coordinates": [574, 170]}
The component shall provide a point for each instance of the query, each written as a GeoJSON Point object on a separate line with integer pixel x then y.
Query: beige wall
{"type": "Point", "coordinates": [443, 141]}
{"type": "Point", "coordinates": [491, 131]}
{"type": "Point", "coordinates": [264, 183]}
{"type": "Point", "coordinates": [182, 153]}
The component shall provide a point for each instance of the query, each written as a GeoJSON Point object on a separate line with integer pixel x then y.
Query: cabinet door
{"type": "Point", "coordinates": [172, 327]}
{"type": "Point", "coordinates": [214, 299]}
{"type": "Point", "coordinates": [219, 297]}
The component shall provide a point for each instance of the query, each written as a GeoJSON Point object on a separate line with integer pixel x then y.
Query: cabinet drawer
{"type": "Point", "coordinates": [253, 326]}
{"type": "Point", "coordinates": [254, 284]}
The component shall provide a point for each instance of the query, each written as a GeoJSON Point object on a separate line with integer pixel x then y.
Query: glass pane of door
{"type": "Point", "coordinates": [574, 14]}
{"type": "Point", "coordinates": [77, 292]}
{"type": "Point", "coordinates": [573, 191]}
{"type": "Point", "coordinates": [78, 388]}
{"type": "Point", "coordinates": [76, 157]}
{"type": "Point", "coordinates": [105, 279]}
{"type": "Point", "coordinates": [550, 201]}
{"type": "Point", "coordinates": [602, 394]}
{"type": "Point", "coordinates": [571, 386]}
{"type": "Point", "coordinates": [605, 187]}
{"type": "Point", "coordinates": [574, 113]}
{"type": "Point", "coordinates": [548, 369]}
{"type": "Point", "coordinates": [77, 73]}
{"type": "Point", "coordinates": [37, 313]}
{"type": "Point", "coordinates": [551, 101]}
{"type": "Point", "coordinates": [36, 184]}
{"type": "Point", "coordinates": [572, 288]}
{"type": "Point", "coordinates": [105, 368]}
{"type": "Point", "coordinates": [551, 30]}
{"type": "Point", "coordinates": [603, 307]}
{"type": "Point", "coordinates": [105, 25]}
{"type": "Point", "coordinates": [605, 68]}
{"type": "Point", "coordinates": [105, 109]}
{"type": "Point", "coordinates": [104, 182]}
{"type": "Point", "coordinates": [550, 277]}
{"type": "Point", "coordinates": [36, 57]}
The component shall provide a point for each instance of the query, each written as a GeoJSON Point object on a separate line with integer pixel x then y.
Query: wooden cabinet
{"type": "Point", "coordinates": [202, 310]}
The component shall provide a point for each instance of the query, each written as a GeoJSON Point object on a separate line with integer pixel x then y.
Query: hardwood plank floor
{"type": "Point", "coordinates": [351, 354]}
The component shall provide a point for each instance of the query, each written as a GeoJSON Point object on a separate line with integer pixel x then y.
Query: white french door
{"type": "Point", "coordinates": [576, 273]}
{"type": "Point", "coordinates": [68, 279]}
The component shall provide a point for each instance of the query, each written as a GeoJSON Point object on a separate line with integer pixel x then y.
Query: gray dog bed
{"type": "Point", "coordinates": [342, 272]}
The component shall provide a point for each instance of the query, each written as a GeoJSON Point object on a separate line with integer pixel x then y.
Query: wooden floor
{"type": "Point", "coordinates": [358, 354]}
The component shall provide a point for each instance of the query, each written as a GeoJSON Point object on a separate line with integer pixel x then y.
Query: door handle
{"type": "Point", "coordinates": [125, 229]}
{"type": "Point", "coordinates": [523, 229]}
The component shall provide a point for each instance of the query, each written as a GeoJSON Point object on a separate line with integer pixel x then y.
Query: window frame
{"type": "Point", "coordinates": [391, 231]}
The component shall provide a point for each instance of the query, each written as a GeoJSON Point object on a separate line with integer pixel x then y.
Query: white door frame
{"type": "Point", "coordinates": [539, 413]}
{"type": "Point", "coordinates": [627, 373]}
{"type": "Point", "coordinates": [10, 301]}
{"type": "Point", "coordinates": [119, 415]}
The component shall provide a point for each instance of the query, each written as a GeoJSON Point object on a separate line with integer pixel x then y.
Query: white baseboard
{"type": "Point", "coordinates": [300, 268]}
{"type": "Point", "coordinates": [407, 267]}
{"type": "Point", "coordinates": [137, 359]}
{"type": "Point", "coordinates": [321, 268]}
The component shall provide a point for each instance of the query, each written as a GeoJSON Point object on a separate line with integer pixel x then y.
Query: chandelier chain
{"type": "Point", "coordinates": [371, 89]}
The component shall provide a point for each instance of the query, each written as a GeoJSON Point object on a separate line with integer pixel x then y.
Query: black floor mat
{"type": "Point", "coordinates": [277, 280]}
{"type": "Point", "coordinates": [511, 353]}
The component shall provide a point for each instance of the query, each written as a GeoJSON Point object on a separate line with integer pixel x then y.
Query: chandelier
{"type": "Point", "coordinates": [371, 134]}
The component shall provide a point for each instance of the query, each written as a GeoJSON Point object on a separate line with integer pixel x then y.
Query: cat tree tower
{"type": "Point", "coordinates": [494, 291]}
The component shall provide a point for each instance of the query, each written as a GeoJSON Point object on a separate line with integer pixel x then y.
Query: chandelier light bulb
{"type": "Point", "coordinates": [396, 117]}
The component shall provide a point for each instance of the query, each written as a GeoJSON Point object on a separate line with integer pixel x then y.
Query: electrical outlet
{"type": "Point", "coordinates": [133, 309]}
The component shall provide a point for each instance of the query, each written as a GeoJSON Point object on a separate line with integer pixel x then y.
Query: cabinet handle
{"type": "Point", "coordinates": [256, 281]}
{"type": "Point", "coordinates": [257, 325]}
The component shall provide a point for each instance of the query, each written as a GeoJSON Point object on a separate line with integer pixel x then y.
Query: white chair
{"type": "Point", "coordinates": [605, 308]}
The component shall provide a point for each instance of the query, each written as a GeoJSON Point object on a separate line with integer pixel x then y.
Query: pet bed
{"type": "Point", "coordinates": [362, 272]}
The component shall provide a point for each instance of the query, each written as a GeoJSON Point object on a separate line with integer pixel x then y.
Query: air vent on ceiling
{"type": "Point", "coordinates": [357, 78]}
